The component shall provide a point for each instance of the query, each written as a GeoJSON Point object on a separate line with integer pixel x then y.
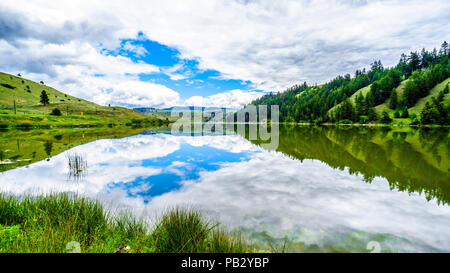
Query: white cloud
{"type": "Point", "coordinates": [137, 49]}
{"type": "Point", "coordinates": [303, 197]}
{"type": "Point", "coordinates": [230, 99]}
{"type": "Point", "coordinates": [273, 44]}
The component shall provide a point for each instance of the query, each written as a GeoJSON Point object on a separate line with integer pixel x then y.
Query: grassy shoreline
{"type": "Point", "coordinates": [48, 121]}
{"type": "Point", "coordinates": [48, 223]}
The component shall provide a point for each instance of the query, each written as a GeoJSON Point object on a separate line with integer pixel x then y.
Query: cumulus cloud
{"type": "Point", "coordinates": [230, 99]}
{"type": "Point", "coordinates": [272, 44]}
{"type": "Point", "coordinates": [304, 197]}
{"type": "Point", "coordinates": [138, 50]}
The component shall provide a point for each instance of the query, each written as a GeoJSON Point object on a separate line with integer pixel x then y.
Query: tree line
{"type": "Point", "coordinates": [303, 103]}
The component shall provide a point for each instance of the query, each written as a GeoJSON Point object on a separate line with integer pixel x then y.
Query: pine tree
{"type": "Point", "coordinates": [385, 117]}
{"type": "Point", "coordinates": [370, 102]}
{"type": "Point", "coordinates": [360, 105]}
{"type": "Point", "coordinates": [405, 113]}
{"type": "Point", "coordinates": [393, 100]}
{"type": "Point", "coordinates": [429, 114]}
{"type": "Point", "coordinates": [372, 114]}
{"type": "Point", "coordinates": [44, 98]}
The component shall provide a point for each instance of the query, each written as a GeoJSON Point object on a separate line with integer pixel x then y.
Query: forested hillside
{"type": "Point", "coordinates": [377, 95]}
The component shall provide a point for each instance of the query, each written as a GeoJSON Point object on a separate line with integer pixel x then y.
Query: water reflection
{"type": "Point", "coordinates": [323, 189]}
{"type": "Point", "coordinates": [410, 160]}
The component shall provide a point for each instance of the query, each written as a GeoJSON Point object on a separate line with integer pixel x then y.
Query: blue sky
{"type": "Point", "coordinates": [221, 53]}
{"type": "Point", "coordinates": [181, 165]}
{"type": "Point", "coordinates": [177, 73]}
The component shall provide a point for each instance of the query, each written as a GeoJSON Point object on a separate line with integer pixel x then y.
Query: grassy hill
{"type": "Point", "coordinates": [416, 109]}
{"type": "Point", "coordinates": [363, 91]}
{"type": "Point", "coordinates": [25, 94]}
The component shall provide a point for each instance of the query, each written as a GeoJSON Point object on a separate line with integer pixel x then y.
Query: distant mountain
{"type": "Point", "coordinates": [181, 108]}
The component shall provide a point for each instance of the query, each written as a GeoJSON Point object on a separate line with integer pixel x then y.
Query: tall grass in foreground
{"type": "Point", "coordinates": [48, 223]}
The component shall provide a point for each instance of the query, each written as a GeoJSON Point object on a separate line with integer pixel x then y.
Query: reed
{"type": "Point", "coordinates": [77, 166]}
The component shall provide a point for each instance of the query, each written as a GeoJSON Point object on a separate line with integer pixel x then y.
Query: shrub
{"type": "Point", "coordinates": [363, 119]}
{"type": "Point", "coordinates": [372, 114]}
{"type": "Point", "coordinates": [385, 118]}
{"type": "Point", "coordinates": [405, 113]}
{"type": "Point", "coordinates": [414, 121]}
{"type": "Point", "coordinates": [7, 86]}
{"type": "Point", "coordinates": [345, 121]}
{"type": "Point", "coordinates": [23, 125]}
{"type": "Point", "coordinates": [446, 89]}
{"type": "Point", "coordinates": [56, 112]}
{"type": "Point", "coordinates": [396, 114]}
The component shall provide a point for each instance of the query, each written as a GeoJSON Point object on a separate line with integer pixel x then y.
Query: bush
{"type": "Point", "coordinates": [56, 112]}
{"type": "Point", "coordinates": [363, 119]}
{"type": "Point", "coordinates": [23, 125]}
{"type": "Point", "coordinates": [372, 114]}
{"type": "Point", "coordinates": [385, 118]}
{"type": "Point", "coordinates": [396, 114]}
{"type": "Point", "coordinates": [405, 113]}
{"type": "Point", "coordinates": [7, 86]}
{"type": "Point", "coordinates": [414, 121]}
{"type": "Point", "coordinates": [345, 121]}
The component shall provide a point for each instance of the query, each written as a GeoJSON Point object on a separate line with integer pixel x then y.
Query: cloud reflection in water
{"type": "Point", "coordinates": [244, 186]}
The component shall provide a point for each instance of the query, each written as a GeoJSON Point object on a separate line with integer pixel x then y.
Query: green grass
{"type": "Point", "coordinates": [75, 111]}
{"type": "Point", "coordinates": [416, 109]}
{"type": "Point", "coordinates": [49, 121]}
{"type": "Point", "coordinates": [385, 105]}
{"type": "Point", "coordinates": [352, 98]}
{"type": "Point", "coordinates": [433, 93]}
{"type": "Point", "coordinates": [46, 224]}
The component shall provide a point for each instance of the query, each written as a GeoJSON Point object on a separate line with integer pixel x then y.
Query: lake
{"type": "Point", "coordinates": [322, 189]}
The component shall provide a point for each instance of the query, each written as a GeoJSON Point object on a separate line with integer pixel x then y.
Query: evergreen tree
{"type": "Point", "coordinates": [414, 61]}
{"type": "Point", "coordinates": [393, 100]}
{"type": "Point", "coordinates": [360, 105]}
{"type": "Point", "coordinates": [405, 113]}
{"type": "Point", "coordinates": [385, 117]}
{"type": "Point", "coordinates": [44, 98]}
{"type": "Point", "coordinates": [346, 111]}
{"type": "Point", "coordinates": [429, 114]}
{"type": "Point", "coordinates": [445, 50]}
{"type": "Point", "coordinates": [370, 101]}
{"type": "Point", "coordinates": [372, 114]}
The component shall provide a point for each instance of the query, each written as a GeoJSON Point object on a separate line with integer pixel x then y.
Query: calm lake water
{"type": "Point", "coordinates": [323, 189]}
